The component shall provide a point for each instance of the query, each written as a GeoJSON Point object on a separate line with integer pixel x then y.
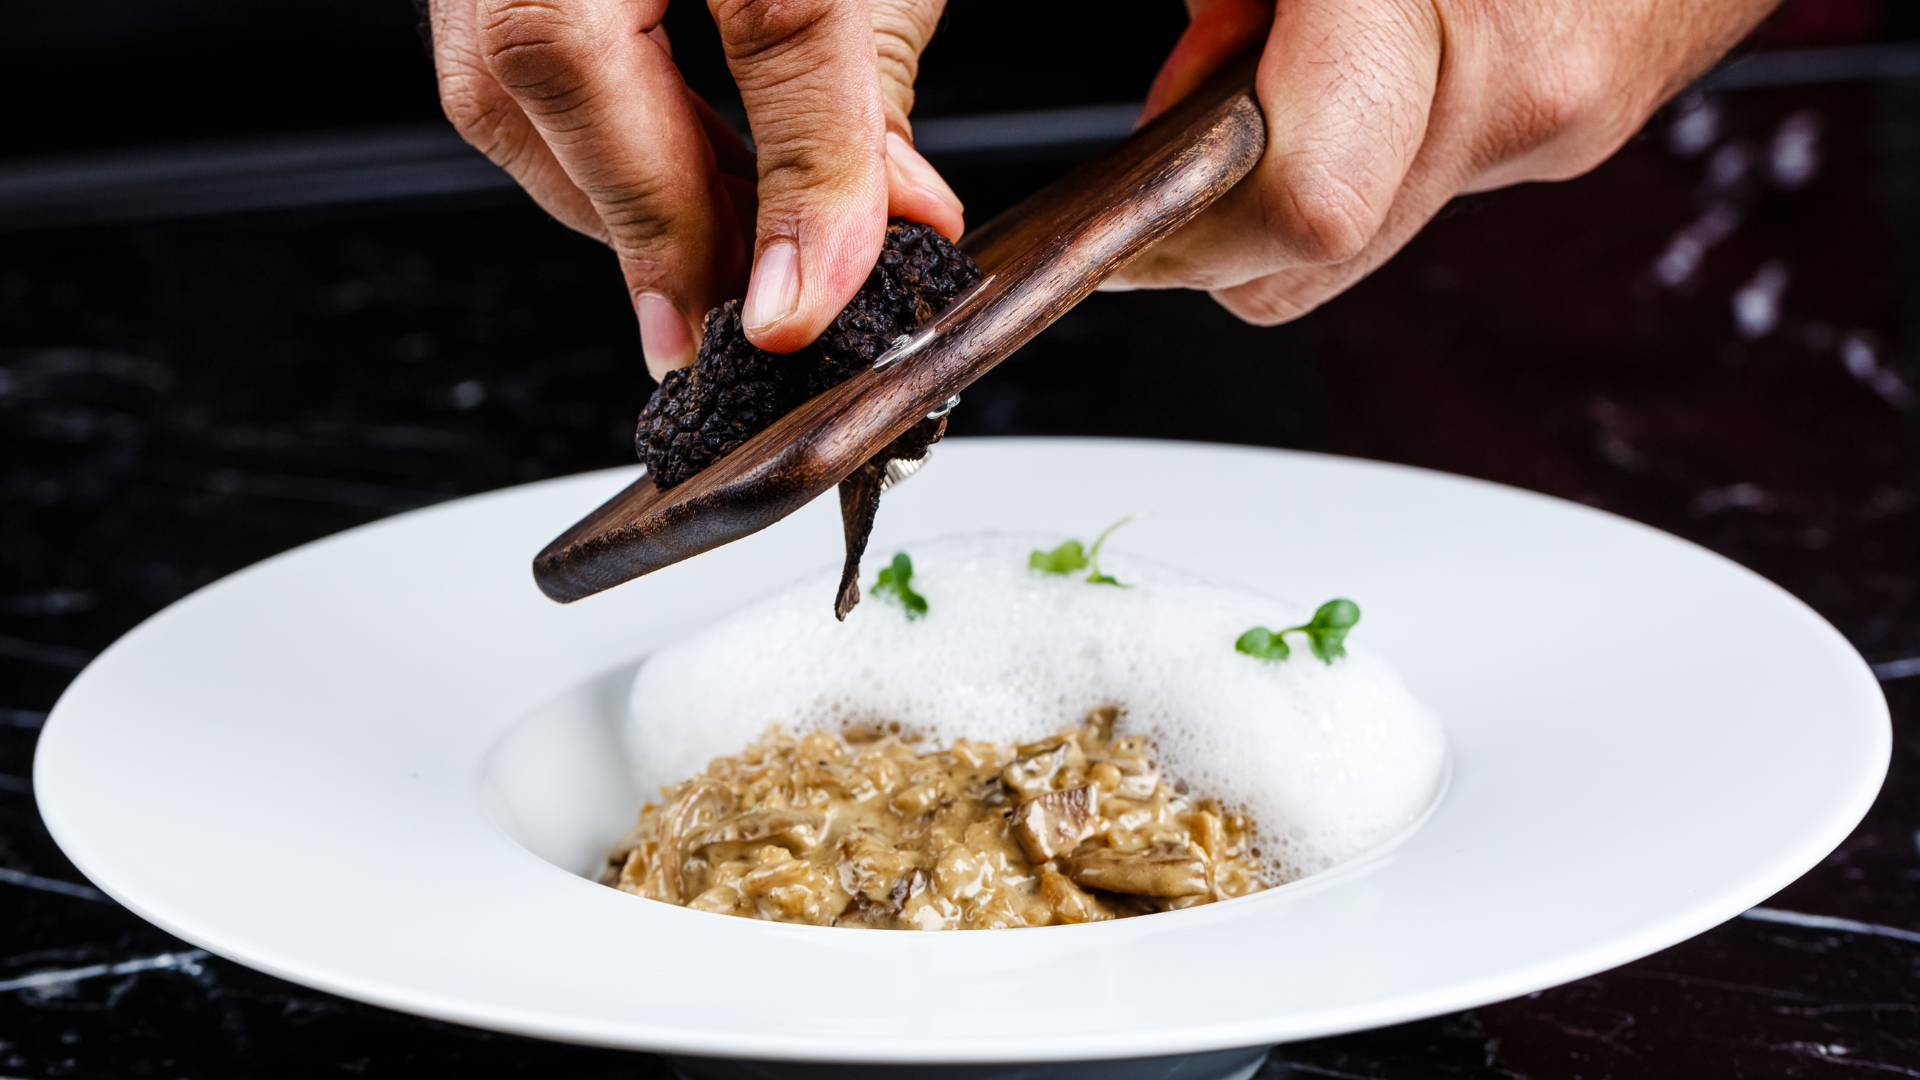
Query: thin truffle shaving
{"type": "Point", "coordinates": [860, 502]}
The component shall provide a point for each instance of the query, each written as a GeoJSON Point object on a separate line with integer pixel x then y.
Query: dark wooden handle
{"type": "Point", "coordinates": [1042, 257]}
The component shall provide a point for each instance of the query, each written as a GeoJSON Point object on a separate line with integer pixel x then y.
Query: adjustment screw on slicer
{"type": "Point", "coordinates": [899, 469]}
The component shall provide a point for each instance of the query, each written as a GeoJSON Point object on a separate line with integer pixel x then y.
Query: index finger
{"type": "Point", "coordinates": [808, 75]}
{"type": "Point", "coordinates": [605, 97]}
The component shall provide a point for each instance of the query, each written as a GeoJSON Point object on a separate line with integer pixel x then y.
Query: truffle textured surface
{"type": "Point", "coordinates": [735, 390]}
{"type": "Point", "coordinates": [918, 275]}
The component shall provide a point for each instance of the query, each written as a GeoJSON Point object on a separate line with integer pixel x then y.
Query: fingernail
{"type": "Point", "coordinates": [775, 289]}
{"type": "Point", "coordinates": [664, 337]}
{"type": "Point", "coordinates": [917, 170]}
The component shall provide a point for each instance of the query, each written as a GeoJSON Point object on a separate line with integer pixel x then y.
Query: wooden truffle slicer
{"type": "Point", "coordinates": [1039, 258]}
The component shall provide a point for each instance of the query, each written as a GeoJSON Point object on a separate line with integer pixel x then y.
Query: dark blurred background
{"type": "Point", "coordinates": [254, 291]}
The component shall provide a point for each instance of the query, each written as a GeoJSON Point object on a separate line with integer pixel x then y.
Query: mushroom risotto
{"type": "Point", "coordinates": [862, 830]}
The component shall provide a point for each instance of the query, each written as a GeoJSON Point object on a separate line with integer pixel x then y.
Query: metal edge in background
{"type": "Point", "coordinates": [430, 161]}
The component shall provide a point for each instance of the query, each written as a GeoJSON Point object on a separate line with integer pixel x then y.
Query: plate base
{"type": "Point", "coordinates": [1238, 1064]}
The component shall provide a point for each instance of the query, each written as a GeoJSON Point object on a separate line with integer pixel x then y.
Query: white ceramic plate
{"type": "Point", "coordinates": [376, 764]}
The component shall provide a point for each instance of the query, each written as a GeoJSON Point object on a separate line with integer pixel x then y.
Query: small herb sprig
{"type": "Point", "coordinates": [894, 583]}
{"type": "Point", "coordinates": [1326, 634]}
{"type": "Point", "coordinates": [1070, 556]}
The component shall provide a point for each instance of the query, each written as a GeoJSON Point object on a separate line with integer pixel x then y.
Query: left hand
{"type": "Point", "coordinates": [580, 100]}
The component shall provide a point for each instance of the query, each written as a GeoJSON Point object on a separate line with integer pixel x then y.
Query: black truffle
{"type": "Point", "coordinates": [918, 275]}
{"type": "Point", "coordinates": [735, 390]}
{"type": "Point", "coordinates": [699, 414]}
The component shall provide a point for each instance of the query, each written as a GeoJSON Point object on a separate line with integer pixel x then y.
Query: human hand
{"type": "Point", "coordinates": [580, 101]}
{"type": "Point", "coordinates": [1380, 111]}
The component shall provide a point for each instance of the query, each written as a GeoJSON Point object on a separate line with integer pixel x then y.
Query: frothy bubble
{"type": "Point", "coordinates": [1328, 761]}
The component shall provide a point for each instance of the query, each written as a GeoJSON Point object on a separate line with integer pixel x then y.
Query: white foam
{"type": "Point", "coordinates": [1328, 760]}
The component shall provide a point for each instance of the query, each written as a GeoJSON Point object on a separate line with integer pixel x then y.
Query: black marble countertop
{"type": "Point", "coordinates": [1713, 333]}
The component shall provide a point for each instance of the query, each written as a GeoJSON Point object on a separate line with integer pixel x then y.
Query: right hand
{"type": "Point", "coordinates": [580, 101]}
{"type": "Point", "coordinates": [1380, 111]}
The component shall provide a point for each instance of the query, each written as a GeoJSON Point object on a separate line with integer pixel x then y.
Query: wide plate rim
{"type": "Point", "coordinates": [1568, 965]}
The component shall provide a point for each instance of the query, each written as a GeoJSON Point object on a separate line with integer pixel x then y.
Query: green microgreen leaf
{"type": "Point", "coordinates": [1063, 559]}
{"type": "Point", "coordinates": [1326, 634]}
{"type": "Point", "coordinates": [1327, 630]}
{"type": "Point", "coordinates": [1262, 644]}
{"type": "Point", "coordinates": [1070, 556]}
{"type": "Point", "coordinates": [895, 583]}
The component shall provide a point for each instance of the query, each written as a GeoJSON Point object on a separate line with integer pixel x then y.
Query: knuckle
{"type": "Point", "coordinates": [538, 51]}
{"type": "Point", "coordinates": [1558, 100]}
{"type": "Point", "coordinates": [638, 239]}
{"type": "Point", "coordinates": [465, 105]}
{"type": "Point", "coordinates": [753, 28]}
{"type": "Point", "coordinates": [635, 227]}
{"type": "Point", "coordinates": [1326, 219]}
{"type": "Point", "coordinates": [899, 62]}
{"type": "Point", "coordinates": [486, 119]}
{"type": "Point", "coordinates": [479, 121]}
{"type": "Point", "coordinates": [799, 164]}
{"type": "Point", "coordinates": [1565, 120]}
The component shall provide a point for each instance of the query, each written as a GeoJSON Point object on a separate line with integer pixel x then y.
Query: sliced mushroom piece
{"type": "Point", "coordinates": [871, 867]}
{"type": "Point", "coordinates": [862, 912]}
{"type": "Point", "coordinates": [1055, 823]}
{"type": "Point", "coordinates": [631, 876]}
{"type": "Point", "coordinates": [1068, 743]}
{"type": "Point", "coordinates": [722, 899]}
{"type": "Point", "coordinates": [917, 799]}
{"type": "Point", "coordinates": [928, 910]}
{"type": "Point", "coordinates": [1069, 902]}
{"type": "Point", "coordinates": [1208, 833]}
{"type": "Point", "coordinates": [796, 831]}
{"type": "Point", "coordinates": [910, 885]}
{"type": "Point", "coordinates": [1138, 780]}
{"type": "Point", "coordinates": [1039, 765]}
{"type": "Point", "coordinates": [1164, 870]}
{"type": "Point", "coordinates": [709, 796]}
{"type": "Point", "coordinates": [773, 868]}
{"type": "Point", "coordinates": [833, 776]}
{"type": "Point", "coordinates": [1051, 742]}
